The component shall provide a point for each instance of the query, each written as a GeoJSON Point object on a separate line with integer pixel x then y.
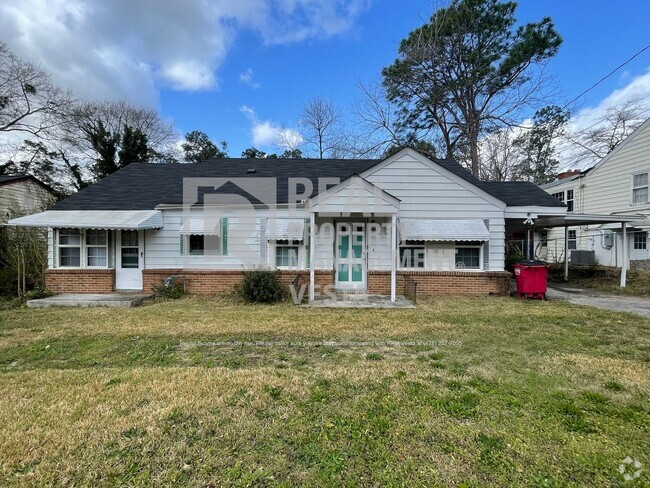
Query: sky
{"type": "Point", "coordinates": [241, 70]}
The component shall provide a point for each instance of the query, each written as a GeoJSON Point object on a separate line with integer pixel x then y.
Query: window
{"type": "Point", "coordinates": [543, 239]}
{"type": "Point", "coordinates": [129, 249]}
{"type": "Point", "coordinates": [468, 255]}
{"type": "Point", "coordinates": [286, 254]}
{"type": "Point", "coordinates": [640, 188]}
{"type": "Point", "coordinates": [96, 248]}
{"type": "Point", "coordinates": [411, 254]}
{"type": "Point", "coordinates": [196, 244]}
{"type": "Point", "coordinates": [565, 197]}
{"type": "Point", "coordinates": [640, 240]}
{"type": "Point", "coordinates": [573, 239]}
{"type": "Point", "coordinates": [200, 244]}
{"type": "Point", "coordinates": [569, 200]}
{"type": "Point", "coordinates": [70, 248]}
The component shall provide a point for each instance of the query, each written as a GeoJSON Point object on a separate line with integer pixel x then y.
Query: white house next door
{"type": "Point", "coordinates": [350, 255]}
{"type": "Point", "coordinates": [129, 260]}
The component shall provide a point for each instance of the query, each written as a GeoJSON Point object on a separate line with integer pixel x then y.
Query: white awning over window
{"type": "Point", "coordinates": [443, 230]}
{"type": "Point", "coordinates": [286, 229]}
{"type": "Point", "coordinates": [201, 226]}
{"type": "Point", "coordinates": [93, 219]}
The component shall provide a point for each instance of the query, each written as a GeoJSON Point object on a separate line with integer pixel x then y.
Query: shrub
{"type": "Point", "coordinates": [38, 292]}
{"type": "Point", "coordinates": [261, 286]}
{"type": "Point", "coordinates": [171, 288]}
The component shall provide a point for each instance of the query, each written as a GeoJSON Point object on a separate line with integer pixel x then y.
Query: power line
{"type": "Point", "coordinates": [607, 76]}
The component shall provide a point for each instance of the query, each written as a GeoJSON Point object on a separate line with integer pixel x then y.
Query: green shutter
{"type": "Point", "coordinates": [486, 249]}
{"type": "Point", "coordinates": [224, 236]}
{"type": "Point", "coordinates": [182, 244]}
{"type": "Point", "coordinates": [308, 241]}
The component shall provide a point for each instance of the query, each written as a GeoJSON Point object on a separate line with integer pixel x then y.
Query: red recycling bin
{"type": "Point", "coordinates": [531, 277]}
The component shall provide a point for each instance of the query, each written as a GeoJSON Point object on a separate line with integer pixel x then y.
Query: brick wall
{"type": "Point", "coordinates": [80, 280]}
{"type": "Point", "coordinates": [208, 282]}
{"type": "Point", "coordinates": [437, 283]}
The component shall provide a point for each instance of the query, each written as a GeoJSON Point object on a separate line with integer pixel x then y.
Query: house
{"type": "Point", "coordinates": [22, 194]}
{"type": "Point", "coordinates": [359, 226]}
{"type": "Point", "coordinates": [616, 186]}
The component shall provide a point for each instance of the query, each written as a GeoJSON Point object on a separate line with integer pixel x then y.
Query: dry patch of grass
{"type": "Point", "coordinates": [464, 392]}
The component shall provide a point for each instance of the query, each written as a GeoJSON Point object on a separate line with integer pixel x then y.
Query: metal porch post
{"type": "Point", "coordinates": [393, 256]}
{"type": "Point", "coordinates": [625, 257]}
{"type": "Point", "coordinates": [566, 253]}
{"type": "Point", "coordinates": [312, 251]}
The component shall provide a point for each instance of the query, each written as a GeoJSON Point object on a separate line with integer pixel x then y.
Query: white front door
{"type": "Point", "coordinates": [129, 260]}
{"type": "Point", "coordinates": [350, 256]}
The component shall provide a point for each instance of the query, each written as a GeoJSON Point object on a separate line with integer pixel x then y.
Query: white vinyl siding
{"type": "Point", "coordinates": [429, 192]}
{"type": "Point", "coordinates": [244, 244]}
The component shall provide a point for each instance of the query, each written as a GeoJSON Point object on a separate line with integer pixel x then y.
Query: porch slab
{"type": "Point", "coordinates": [360, 301]}
{"type": "Point", "coordinates": [115, 300]}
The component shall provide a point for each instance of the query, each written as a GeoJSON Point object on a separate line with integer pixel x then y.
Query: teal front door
{"type": "Point", "coordinates": [350, 256]}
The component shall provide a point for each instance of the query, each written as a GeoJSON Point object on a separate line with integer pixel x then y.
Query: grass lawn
{"type": "Point", "coordinates": [608, 280]}
{"type": "Point", "coordinates": [461, 392]}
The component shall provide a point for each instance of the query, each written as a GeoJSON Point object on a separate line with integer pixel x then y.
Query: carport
{"type": "Point", "coordinates": [576, 220]}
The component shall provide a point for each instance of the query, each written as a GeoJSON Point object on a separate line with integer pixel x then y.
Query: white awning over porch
{"type": "Point", "coordinates": [286, 229]}
{"type": "Point", "coordinates": [443, 230]}
{"type": "Point", "coordinates": [92, 219]}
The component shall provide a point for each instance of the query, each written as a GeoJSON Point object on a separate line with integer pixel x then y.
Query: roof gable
{"type": "Point", "coordinates": [447, 168]}
{"type": "Point", "coordinates": [355, 194]}
{"type": "Point", "coordinates": [639, 130]}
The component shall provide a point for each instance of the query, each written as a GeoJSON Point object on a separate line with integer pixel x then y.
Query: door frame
{"type": "Point", "coordinates": [136, 275]}
{"type": "Point", "coordinates": [363, 260]}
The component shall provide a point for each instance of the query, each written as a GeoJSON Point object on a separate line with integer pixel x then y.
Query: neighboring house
{"type": "Point", "coordinates": [341, 225]}
{"type": "Point", "coordinates": [617, 185]}
{"type": "Point", "coordinates": [22, 193]}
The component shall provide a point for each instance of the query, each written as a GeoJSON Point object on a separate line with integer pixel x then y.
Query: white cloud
{"type": "Point", "coordinates": [247, 77]}
{"type": "Point", "coordinates": [265, 133]}
{"type": "Point", "coordinates": [118, 49]}
{"type": "Point", "coordinates": [637, 89]}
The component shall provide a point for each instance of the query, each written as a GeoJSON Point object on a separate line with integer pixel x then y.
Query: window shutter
{"type": "Point", "coordinates": [224, 236]}
{"type": "Point", "coordinates": [486, 249]}
{"type": "Point", "coordinates": [182, 244]}
{"type": "Point", "coordinates": [307, 243]}
{"type": "Point", "coordinates": [264, 243]}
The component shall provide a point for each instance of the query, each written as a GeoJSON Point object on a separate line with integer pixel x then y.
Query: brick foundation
{"type": "Point", "coordinates": [209, 282]}
{"type": "Point", "coordinates": [80, 280]}
{"type": "Point", "coordinates": [436, 283]}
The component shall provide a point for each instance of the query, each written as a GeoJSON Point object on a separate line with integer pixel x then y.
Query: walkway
{"type": "Point", "coordinates": [88, 300]}
{"type": "Point", "coordinates": [360, 301]}
{"type": "Point", "coordinates": [594, 298]}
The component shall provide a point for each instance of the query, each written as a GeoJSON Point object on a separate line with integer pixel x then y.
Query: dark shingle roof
{"type": "Point", "coordinates": [522, 193]}
{"type": "Point", "coordinates": [9, 179]}
{"type": "Point", "coordinates": [141, 186]}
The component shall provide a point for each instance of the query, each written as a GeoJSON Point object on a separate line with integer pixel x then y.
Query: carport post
{"type": "Point", "coordinates": [566, 253]}
{"type": "Point", "coordinates": [625, 263]}
{"type": "Point", "coordinates": [312, 251]}
{"type": "Point", "coordinates": [393, 255]}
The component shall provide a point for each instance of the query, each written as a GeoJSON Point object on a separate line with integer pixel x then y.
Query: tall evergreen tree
{"type": "Point", "coordinates": [469, 70]}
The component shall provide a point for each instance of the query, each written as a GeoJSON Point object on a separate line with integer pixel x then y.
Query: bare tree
{"type": "Point", "coordinates": [115, 115]}
{"type": "Point", "coordinates": [376, 122]}
{"type": "Point", "coordinates": [322, 124]}
{"type": "Point", "coordinates": [589, 145]}
{"type": "Point", "coordinates": [29, 102]}
{"type": "Point", "coordinates": [469, 71]}
{"type": "Point", "coordinates": [499, 156]}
